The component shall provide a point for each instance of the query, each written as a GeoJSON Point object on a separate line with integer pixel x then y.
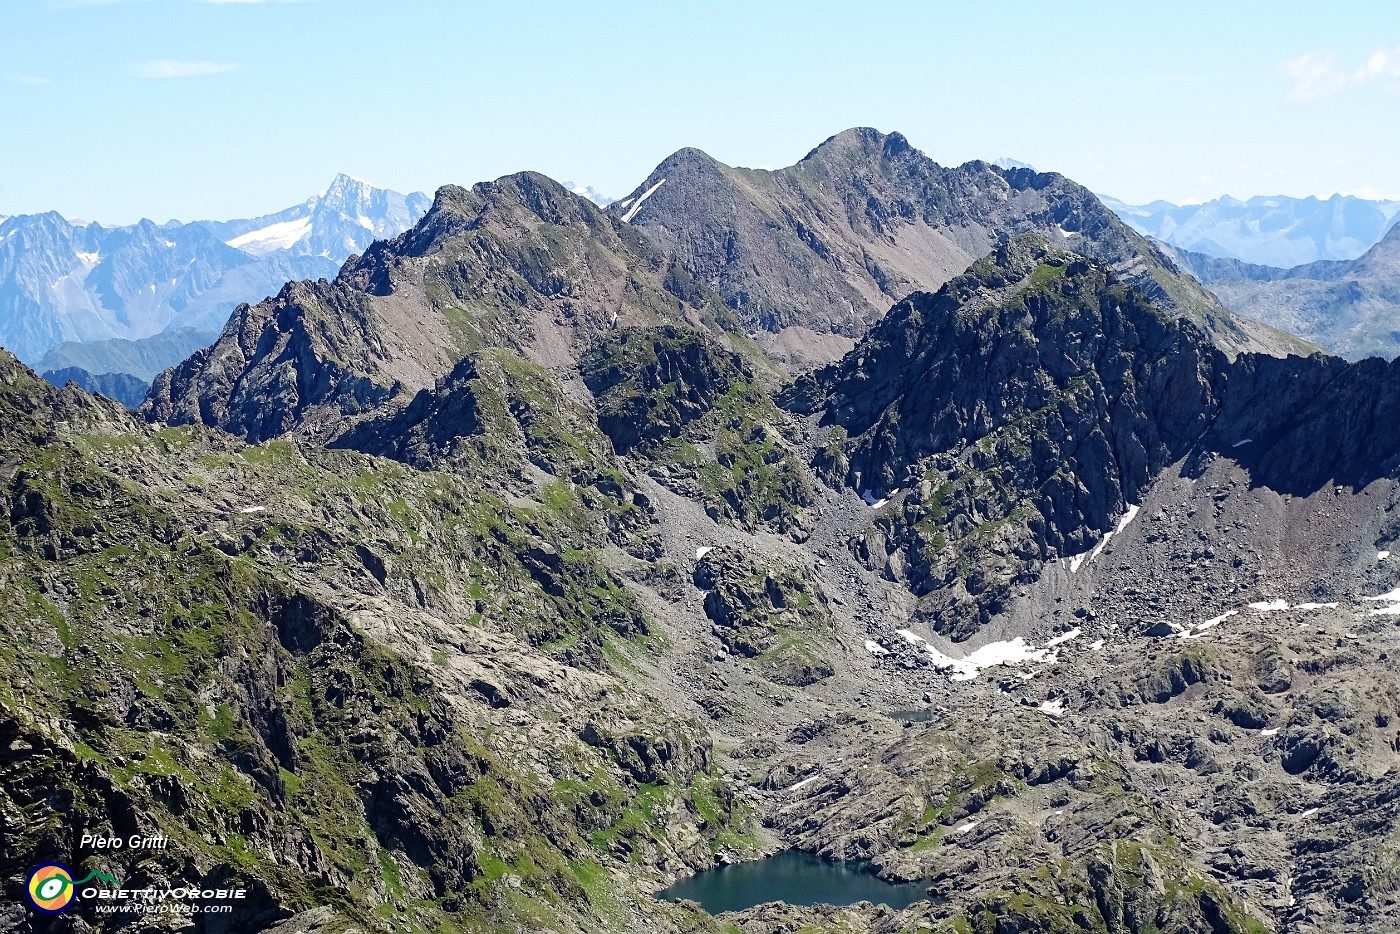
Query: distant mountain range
{"type": "Point", "coordinates": [63, 282]}
{"type": "Point", "coordinates": [1350, 307]}
{"type": "Point", "coordinates": [1268, 231]}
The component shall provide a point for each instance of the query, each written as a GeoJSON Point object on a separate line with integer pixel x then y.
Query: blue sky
{"type": "Point", "coordinates": [115, 109]}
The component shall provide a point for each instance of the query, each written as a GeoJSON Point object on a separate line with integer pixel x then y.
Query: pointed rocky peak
{"type": "Point", "coordinates": [1027, 324]}
{"type": "Point", "coordinates": [1021, 408]}
{"type": "Point", "coordinates": [509, 205]}
{"type": "Point", "coordinates": [808, 257]}
{"type": "Point", "coordinates": [518, 263]}
{"type": "Point", "coordinates": [348, 188]}
{"type": "Point", "coordinates": [38, 228]}
{"type": "Point", "coordinates": [685, 174]}
{"type": "Point", "coordinates": [686, 160]}
{"type": "Point", "coordinates": [858, 145]}
{"type": "Point", "coordinates": [538, 194]}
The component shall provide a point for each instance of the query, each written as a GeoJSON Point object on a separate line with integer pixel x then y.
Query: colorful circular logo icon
{"type": "Point", "coordinates": [51, 888]}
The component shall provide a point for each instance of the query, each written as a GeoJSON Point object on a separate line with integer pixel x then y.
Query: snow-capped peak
{"type": "Point", "coordinates": [591, 193]}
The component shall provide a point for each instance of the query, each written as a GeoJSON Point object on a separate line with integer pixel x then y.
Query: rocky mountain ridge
{"type": "Point", "coordinates": [525, 264]}
{"type": "Point", "coordinates": [519, 263]}
{"type": "Point", "coordinates": [809, 256]}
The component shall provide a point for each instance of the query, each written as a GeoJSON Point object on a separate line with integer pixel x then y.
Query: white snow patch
{"type": "Point", "coordinates": [365, 222]}
{"type": "Point", "coordinates": [1096, 645]}
{"type": "Point", "coordinates": [804, 783]}
{"type": "Point", "coordinates": [1315, 606]}
{"type": "Point", "coordinates": [1054, 708]}
{"type": "Point", "coordinates": [1269, 732]}
{"type": "Point", "coordinates": [1240, 444]}
{"type": "Point", "coordinates": [1065, 637]}
{"type": "Point", "coordinates": [702, 552]}
{"type": "Point", "coordinates": [1309, 812]}
{"type": "Point", "coordinates": [92, 259]}
{"type": "Point", "coordinates": [1393, 598]}
{"type": "Point", "coordinates": [913, 638]}
{"type": "Point", "coordinates": [875, 648]}
{"type": "Point", "coordinates": [1079, 561]}
{"type": "Point", "coordinates": [1217, 620]}
{"type": "Point", "coordinates": [1382, 555]}
{"type": "Point", "coordinates": [251, 509]}
{"type": "Point", "coordinates": [964, 828]}
{"type": "Point", "coordinates": [874, 503]}
{"type": "Point", "coordinates": [1269, 605]}
{"type": "Point", "coordinates": [632, 211]}
{"type": "Point", "coordinates": [273, 237]}
{"type": "Point", "coordinates": [990, 655]}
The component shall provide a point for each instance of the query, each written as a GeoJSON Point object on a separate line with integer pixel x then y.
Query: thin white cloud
{"type": "Point", "coordinates": [169, 68]}
{"type": "Point", "coordinates": [1316, 75]}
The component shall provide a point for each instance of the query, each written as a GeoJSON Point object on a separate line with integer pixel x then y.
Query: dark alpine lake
{"type": "Point", "coordinates": [794, 877]}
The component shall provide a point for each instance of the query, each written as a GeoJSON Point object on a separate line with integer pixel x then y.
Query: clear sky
{"type": "Point", "coordinates": [115, 109]}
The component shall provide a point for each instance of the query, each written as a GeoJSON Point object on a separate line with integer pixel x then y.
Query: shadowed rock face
{"type": "Point", "coordinates": [1022, 408]}
{"type": "Point", "coordinates": [650, 384]}
{"type": "Point", "coordinates": [1311, 422]}
{"type": "Point", "coordinates": [1030, 330]}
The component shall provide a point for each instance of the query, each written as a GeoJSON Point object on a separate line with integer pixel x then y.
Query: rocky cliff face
{"type": "Point", "coordinates": [1011, 414]}
{"type": "Point", "coordinates": [1014, 416]}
